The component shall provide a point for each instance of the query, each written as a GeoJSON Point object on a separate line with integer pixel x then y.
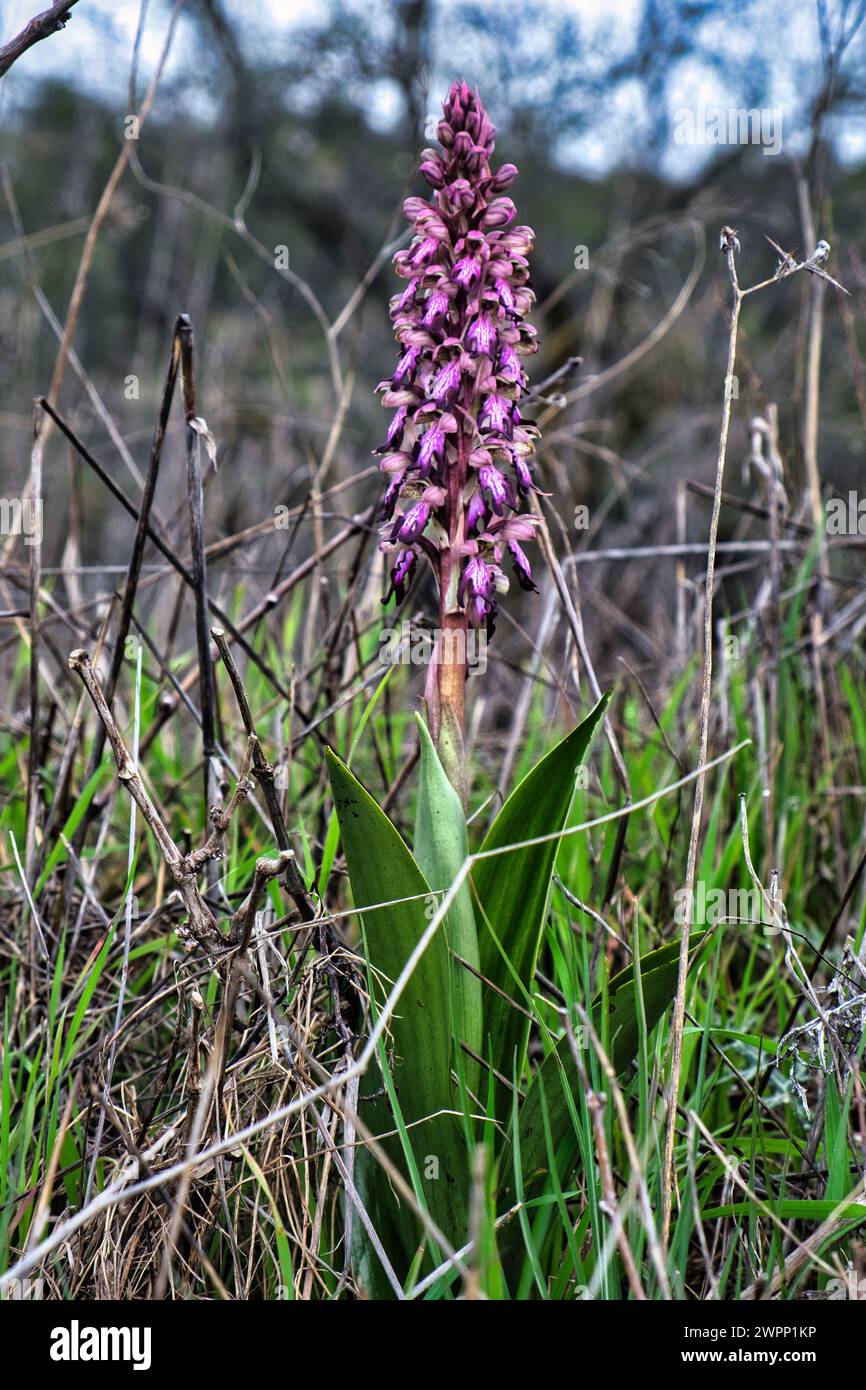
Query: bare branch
{"type": "Point", "coordinates": [40, 27]}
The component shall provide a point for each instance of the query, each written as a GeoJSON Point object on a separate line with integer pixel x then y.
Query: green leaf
{"type": "Point", "coordinates": [73, 820]}
{"type": "Point", "coordinates": [512, 891]}
{"type": "Point", "coordinates": [441, 850]}
{"type": "Point", "coordinates": [548, 1120]}
{"type": "Point", "coordinates": [332, 837]}
{"type": "Point", "coordinates": [383, 871]}
{"type": "Point", "coordinates": [792, 1209]}
{"type": "Point", "coordinates": [632, 1005]}
{"type": "Point", "coordinates": [840, 1161]}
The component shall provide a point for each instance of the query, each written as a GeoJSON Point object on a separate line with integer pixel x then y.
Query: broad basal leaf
{"type": "Point", "coordinates": [441, 850]}
{"type": "Point", "coordinates": [383, 871]}
{"type": "Point", "coordinates": [512, 891]}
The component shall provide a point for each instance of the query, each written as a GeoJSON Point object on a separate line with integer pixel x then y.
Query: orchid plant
{"type": "Point", "coordinates": [459, 459]}
{"type": "Point", "coordinates": [458, 452]}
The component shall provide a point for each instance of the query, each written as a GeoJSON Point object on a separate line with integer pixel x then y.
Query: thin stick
{"type": "Point", "coordinates": [264, 774]}
{"type": "Point", "coordinates": [195, 499]}
{"type": "Point", "coordinates": [127, 942]}
{"type": "Point", "coordinates": [729, 247]}
{"type": "Point", "coordinates": [164, 550]}
{"type": "Point", "coordinates": [42, 25]}
{"type": "Point", "coordinates": [33, 784]}
{"type": "Point", "coordinates": [133, 574]}
{"type": "Point", "coordinates": [202, 921]}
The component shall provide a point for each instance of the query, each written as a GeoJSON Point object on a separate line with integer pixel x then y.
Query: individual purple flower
{"type": "Point", "coordinates": [482, 335]}
{"type": "Point", "coordinates": [395, 431]}
{"type": "Point", "coordinates": [437, 307]}
{"type": "Point", "coordinates": [476, 590]}
{"type": "Point", "coordinates": [466, 271]}
{"type": "Point", "coordinates": [508, 367]}
{"type": "Point", "coordinates": [401, 575]}
{"type": "Point", "coordinates": [389, 501]}
{"type": "Point", "coordinates": [408, 527]}
{"type": "Point", "coordinates": [522, 567]}
{"type": "Point", "coordinates": [505, 293]}
{"type": "Point", "coordinates": [423, 252]}
{"type": "Point", "coordinates": [496, 488]}
{"type": "Point", "coordinates": [404, 300]}
{"type": "Point", "coordinates": [476, 513]}
{"type": "Point", "coordinates": [496, 413]}
{"type": "Point", "coordinates": [446, 382]}
{"type": "Point", "coordinates": [406, 366]}
{"type": "Point", "coordinates": [431, 448]}
{"type": "Point", "coordinates": [476, 579]}
{"type": "Point", "coordinates": [521, 472]}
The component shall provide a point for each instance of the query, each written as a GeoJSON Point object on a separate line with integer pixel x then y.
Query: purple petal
{"type": "Point", "coordinates": [431, 447]}
{"type": "Point", "coordinates": [405, 366]}
{"type": "Point", "coordinates": [401, 575]}
{"type": "Point", "coordinates": [446, 381]}
{"type": "Point", "coordinates": [476, 513]}
{"type": "Point", "coordinates": [395, 430]}
{"type": "Point", "coordinates": [389, 501]}
{"type": "Point", "coordinates": [522, 567]}
{"type": "Point", "coordinates": [496, 413]}
{"type": "Point", "coordinates": [437, 306]}
{"type": "Point", "coordinates": [410, 525]}
{"type": "Point", "coordinates": [422, 252]}
{"type": "Point", "coordinates": [482, 335]}
{"type": "Point", "coordinates": [466, 271]}
{"type": "Point", "coordinates": [503, 289]}
{"type": "Point", "coordinates": [496, 488]}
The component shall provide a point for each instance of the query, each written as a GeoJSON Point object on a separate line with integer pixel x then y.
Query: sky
{"type": "Point", "coordinates": [96, 46]}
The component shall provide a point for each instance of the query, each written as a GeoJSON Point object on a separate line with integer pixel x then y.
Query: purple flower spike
{"type": "Point", "coordinates": [461, 323]}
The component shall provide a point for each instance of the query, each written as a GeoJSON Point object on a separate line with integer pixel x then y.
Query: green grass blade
{"type": "Point", "coordinates": [557, 1079]}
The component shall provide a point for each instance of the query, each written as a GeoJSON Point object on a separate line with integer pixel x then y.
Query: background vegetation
{"type": "Point", "coordinates": [262, 199]}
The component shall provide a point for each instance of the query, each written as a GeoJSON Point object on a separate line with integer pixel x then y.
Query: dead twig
{"type": "Point", "coordinates": [41, 26]}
